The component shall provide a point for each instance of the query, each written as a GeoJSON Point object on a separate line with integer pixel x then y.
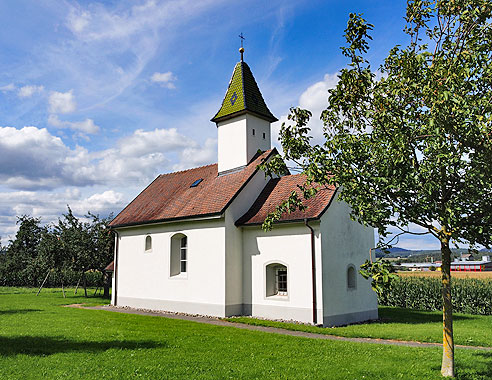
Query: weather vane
{"type": "Point", "coordinates": [241, 49]}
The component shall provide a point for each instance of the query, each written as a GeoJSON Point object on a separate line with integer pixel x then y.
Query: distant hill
{"type": "Point", "coordinates": [393, 252]}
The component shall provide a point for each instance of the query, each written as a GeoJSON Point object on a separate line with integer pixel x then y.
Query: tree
{"type": "Point", "coordinates": [76, 244]}
{"type": "Point", "coordinates": [410, 148]}
{"type": "Point", "coordinates": [21, 254]}
{"type": "Point", "coordinates": [88, 245]}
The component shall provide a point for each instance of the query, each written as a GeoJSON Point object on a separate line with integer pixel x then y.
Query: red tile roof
{"type": "Point", "coordinates": [276, 191]}
{"type": "Point", "coordinates": [170, 196]}
{"type": "Point", "coordinates": [110, 267]}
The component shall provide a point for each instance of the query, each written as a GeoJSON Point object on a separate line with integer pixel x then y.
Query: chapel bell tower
{"type": "Point", "coordinates": [243, 121]}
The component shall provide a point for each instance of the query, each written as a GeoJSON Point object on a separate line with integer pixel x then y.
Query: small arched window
{"type": "Point", "coordinates": [351, 279]}
{"type": "Point", "coordinates": [276, 280]}
{"type": "Point", "coordinates": [179, 254]}
{"type": "Point", "coordinates": [148, 243]}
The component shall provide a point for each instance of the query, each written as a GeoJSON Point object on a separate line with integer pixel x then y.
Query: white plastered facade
{"type": "Point", "coordinates": [227, 264]}
{"type": "Point", "coordinates": [239, 139]}
{"type": "Point", "coordinates": [226, 273]}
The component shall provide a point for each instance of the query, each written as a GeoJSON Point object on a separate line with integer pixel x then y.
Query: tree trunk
{"type": "Point", "coordinates": [85, 284]}
{"type": "Point", "coordinates": [41, 287]}
{"type": "Point", "coordinates": [107, 284]}
{"type": "Point", "coordinates": [63, 290]}
{"type": "Point", "coordinates": [77, 287]}
{"type": "Point", "coordinates": [447, 368]}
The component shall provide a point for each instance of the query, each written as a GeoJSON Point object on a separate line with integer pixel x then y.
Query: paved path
{"type": "Point", "coordinates": [275, 330]}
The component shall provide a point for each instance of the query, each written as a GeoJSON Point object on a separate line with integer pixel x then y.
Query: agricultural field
{"type": "Point", "coordinates": [479, 275]}
{"type": "Point", "coordinates": [41, 339]}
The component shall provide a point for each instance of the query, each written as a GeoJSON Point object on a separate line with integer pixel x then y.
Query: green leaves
{"type": "Point", "coordinates": [381, 274]}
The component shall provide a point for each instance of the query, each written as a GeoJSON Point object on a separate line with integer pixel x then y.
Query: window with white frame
{"type": "Point", "coordinates": [179, 255]}
{"type": "Point", "coordinates": [276, 280]}
{"type": "Point", "coordinates": [184, 247]}
{"type": "Point", "coordinates": [148, 243]}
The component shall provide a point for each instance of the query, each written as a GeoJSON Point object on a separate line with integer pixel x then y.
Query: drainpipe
{"type": "Point", "coordinates": [115, 290]}
{"type": "Point", "coordinates": [313, 271]}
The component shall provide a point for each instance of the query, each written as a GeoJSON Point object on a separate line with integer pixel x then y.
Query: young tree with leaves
{"type": "Point", "coordinates": [410, 148]}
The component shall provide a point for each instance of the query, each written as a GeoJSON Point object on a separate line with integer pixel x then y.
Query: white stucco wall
{"type": "Point", "coordinates": [144, 277]}
{"type": "Point", "coordinates": [290, 245]}
{"type": "Point", "coordinates": [232, 143]}
{"type": "Point", "coordinates": [257, 141]}
{"type": "Point", "coordinates": [236, 143]}
{"type": "Point", "coordinates": [234, 241]}
{"type": "Point", "coordinates": [345, 243]}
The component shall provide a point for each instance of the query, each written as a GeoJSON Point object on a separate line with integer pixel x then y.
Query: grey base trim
{"type": "Point", "coordinates": [304, 315]}
{"type": "Point", "coordinates": [345, 319]}
{"type": "Point", "coordinates": [234, 310]}
{"type": "Point", "coordinates": [263, 311]}
{"type": "Point", "coordinates": [213, 310]}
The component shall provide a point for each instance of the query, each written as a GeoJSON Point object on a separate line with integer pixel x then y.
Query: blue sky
{"type": "Point", "coordinates": [97, 98]}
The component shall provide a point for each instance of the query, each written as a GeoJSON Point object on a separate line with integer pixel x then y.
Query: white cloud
{"type": "Point", "coordinates": [78, 21]}
{"type": "Point", "coordinates": [98, 203]}
{"type": "Point", "coordinates": [62, 102]}
{"type": "Point", "coordinates": [98, 23]}
{"type": "Point", "coordinates": [164, 79]}
{"type": "Point", "coordinates": [32, 158]}
{"type": "Point", "coordinates": [86, 127]}
{"type": "Point", "coordinates": [314, 99]}
{"type": "Point", "coordinates": [196, 155]}
{"type": "Point", "coordinates": [49, 206]}
{"type": "Point", "coordinates": [159, 140]}
{"type": "Point", "coordinates": [8, 87]}
{"type": "Point", "coordinates": [28, 91]}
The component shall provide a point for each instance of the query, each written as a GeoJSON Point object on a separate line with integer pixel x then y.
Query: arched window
{"type": "Point", "coordinates": [351, 279]}
{"type": "Point", "coordinates": [148, 243]}
{"type": "Point", "coordinates": [276, 280]}
{"type": "Point", "coordinates": [179, 254]}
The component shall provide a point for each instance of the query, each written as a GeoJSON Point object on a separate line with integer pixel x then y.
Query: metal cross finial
{"type": "Point", "coordinates": [241, 49]}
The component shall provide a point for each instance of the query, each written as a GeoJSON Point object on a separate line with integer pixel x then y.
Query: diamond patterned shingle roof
{"type": "Point", "coordinates": [243, 95]}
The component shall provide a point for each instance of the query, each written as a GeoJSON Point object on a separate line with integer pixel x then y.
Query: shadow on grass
{"type": "Point", "coordinates": [43, 346]}
{"type": "Point", "coordinates": [414, 316]}
{"type": "Point", "coordinates": [17, 311]}
{"type": "Point", "coordinates": [480, 368]}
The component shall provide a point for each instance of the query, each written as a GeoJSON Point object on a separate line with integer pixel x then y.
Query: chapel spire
{"type": "Point", "coordinates": [243, 121]}
{"type": "Point", "coordinates": [243, 96]}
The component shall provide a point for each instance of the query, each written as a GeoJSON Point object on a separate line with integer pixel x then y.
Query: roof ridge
{"type": "Point", "coordinates": [187, 170]}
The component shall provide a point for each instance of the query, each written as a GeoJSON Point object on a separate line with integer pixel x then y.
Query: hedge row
{"type": "Point", "coordinates": [470, 295]}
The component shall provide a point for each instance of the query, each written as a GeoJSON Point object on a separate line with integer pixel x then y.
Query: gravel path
{"type": "Point", "coordinates": [275, 330]}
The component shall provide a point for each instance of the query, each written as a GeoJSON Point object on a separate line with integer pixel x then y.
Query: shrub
{"type": "Point", "coordinates": [470, 295]}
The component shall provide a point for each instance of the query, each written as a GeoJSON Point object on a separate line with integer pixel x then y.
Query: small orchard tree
{"type": "Point", "coordinates": [76, 244]}
{"type": "Point", "coordinates": [411, 147]}
{"type": "Point", "coordinates": [102, 240]}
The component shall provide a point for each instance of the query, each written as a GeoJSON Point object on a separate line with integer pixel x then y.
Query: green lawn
{"type": "Point", "coordinates": [41, 339]}
{"type": "Point", "coordinates": [401, 324]}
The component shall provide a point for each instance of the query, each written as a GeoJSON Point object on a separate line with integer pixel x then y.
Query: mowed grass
{"type": "Point", "coordinates": [39, 339]}
{"type": "Point", "coordinates": [401, 324]}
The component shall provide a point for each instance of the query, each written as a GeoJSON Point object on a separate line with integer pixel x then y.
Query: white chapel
{"type": "Point", "coordinates": [192, 240]}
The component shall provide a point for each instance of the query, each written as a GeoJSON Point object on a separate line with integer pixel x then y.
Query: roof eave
{"type": "Point", "coordinates": [271, 118]}
{"type": "Point", "coordinates": [298, 220]}
{"type": "Point", "coordinates": [214, 215]}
